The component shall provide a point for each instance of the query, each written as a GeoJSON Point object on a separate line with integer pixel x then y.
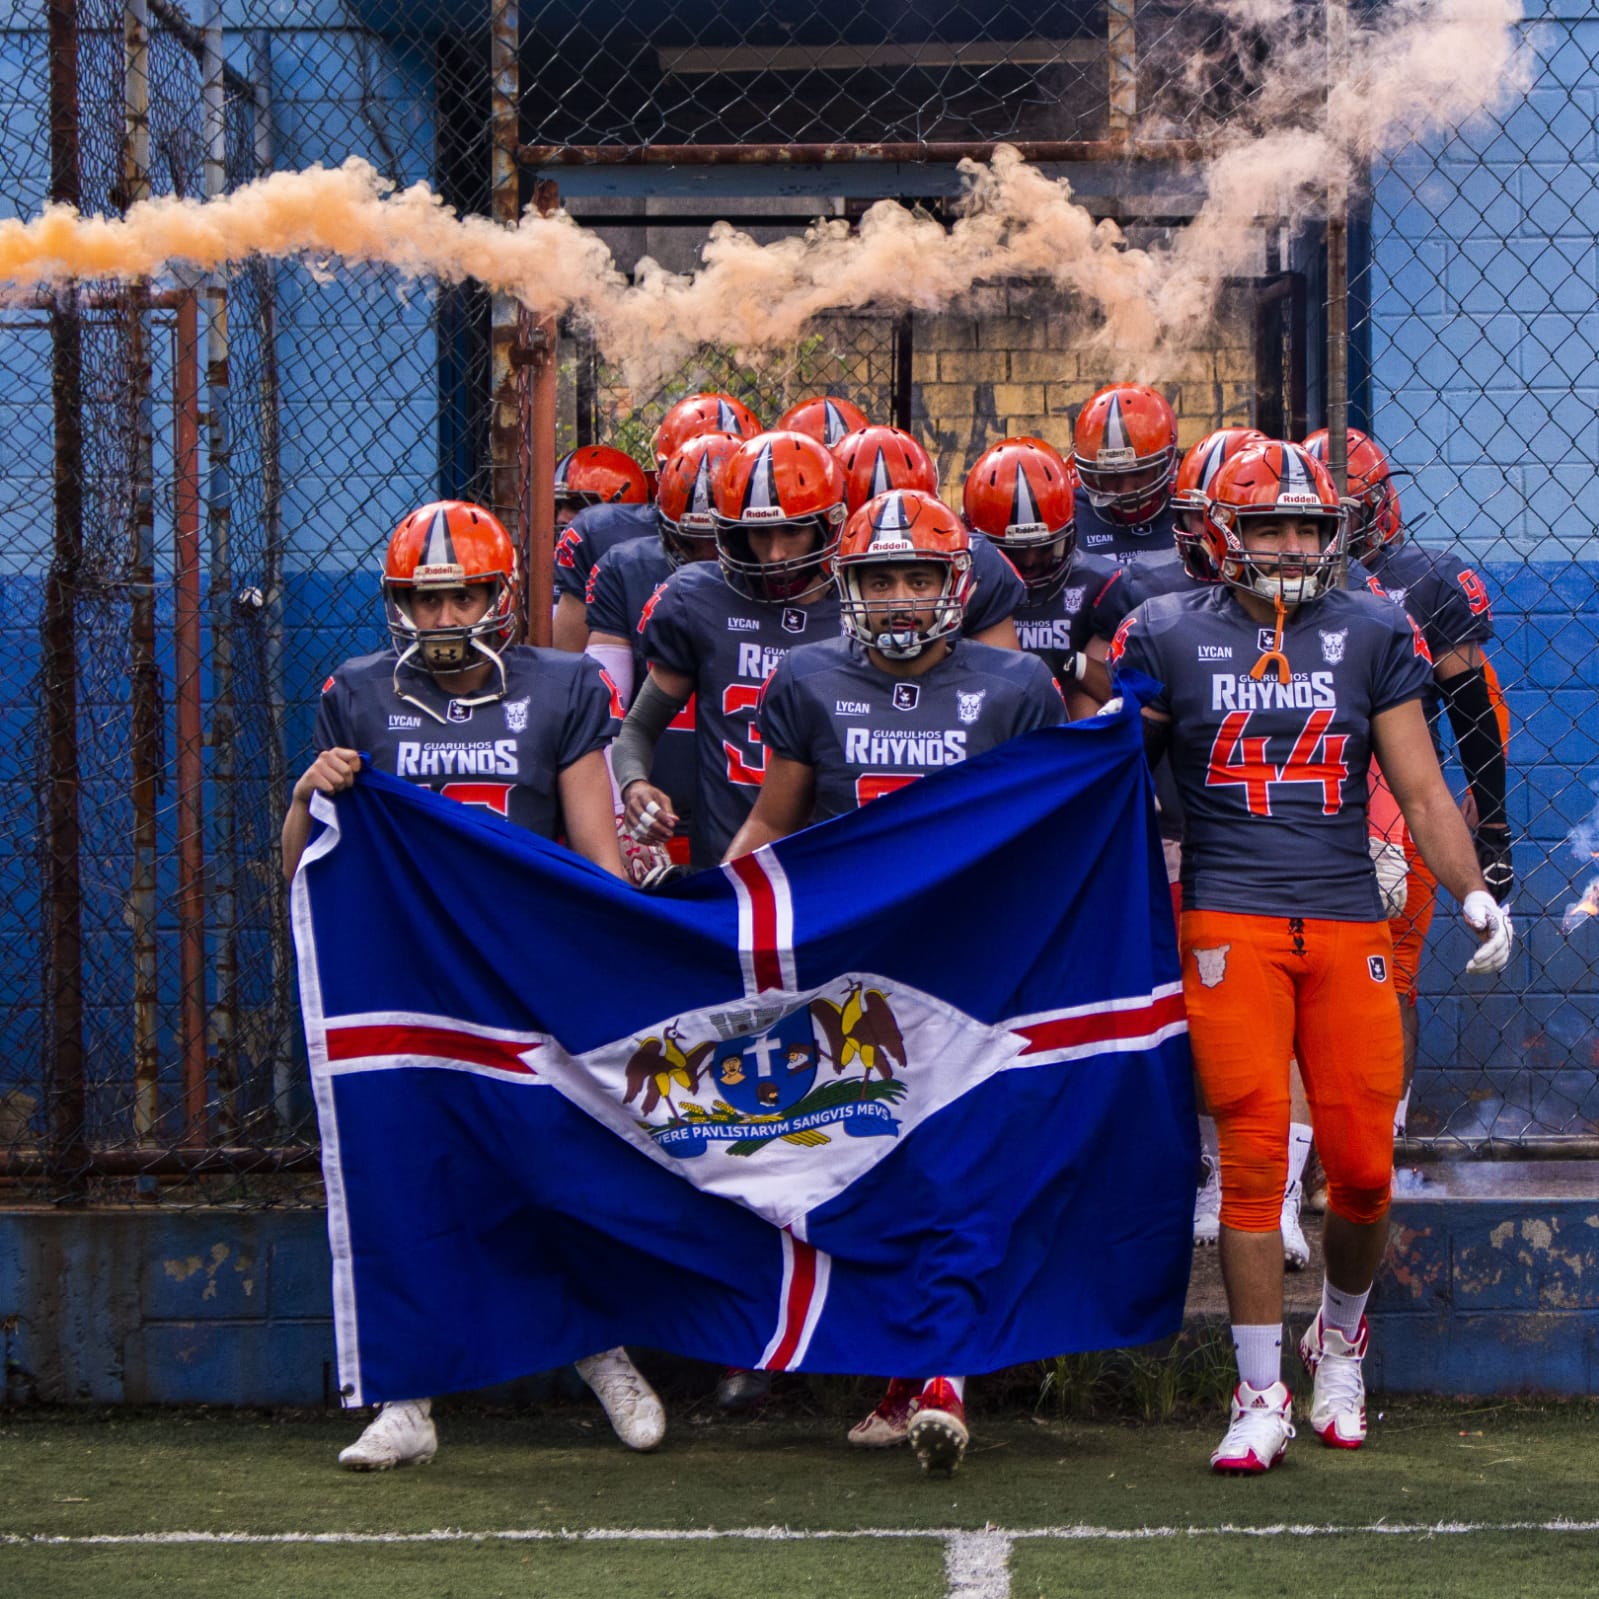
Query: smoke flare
{"type": "Point", "coordinates": [1306, 118]}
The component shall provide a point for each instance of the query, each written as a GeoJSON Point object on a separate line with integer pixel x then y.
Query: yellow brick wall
{"type": "Point", "coordinates": [1012, 368]}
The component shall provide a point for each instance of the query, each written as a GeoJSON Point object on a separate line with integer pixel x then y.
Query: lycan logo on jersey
{"type": "Point", "coordinates": [907, 696]}
{"type": "Point", "coordinates": [970, 706]}
{"type": "Point", "coordinates": [1332, 644]}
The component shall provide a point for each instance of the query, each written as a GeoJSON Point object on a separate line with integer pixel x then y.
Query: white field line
{"type": "Point", "coordinates": [973, 1548]}
{"type": "Point", "coordinates": [977, 1565]}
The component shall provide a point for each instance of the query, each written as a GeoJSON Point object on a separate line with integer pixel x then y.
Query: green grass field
{"type": "Point", "coordinates": [1445, 1500]}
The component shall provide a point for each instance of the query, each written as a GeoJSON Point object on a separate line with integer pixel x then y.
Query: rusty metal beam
{"type": "Point", "coordinates": [190, 712]}
{"type": "Point", "coordinates": [725, 155]}
{"type": "Point", "coordinates": [63, 978]}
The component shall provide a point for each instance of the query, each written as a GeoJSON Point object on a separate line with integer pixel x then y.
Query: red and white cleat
{"type": "Point", "coordinates": [1338, 1400]}
{"type": "Point", "coordinates": [890, 1423]}
{"type": "Point", "coordinates": [938, 1428]}
{"type": "Point", "coordinates": [1258, 1436]}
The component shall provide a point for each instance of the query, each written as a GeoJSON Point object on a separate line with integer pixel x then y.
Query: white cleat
{"type": "Point", "coordinates": [1296, 1252]}
{"type": "Point", "coordinates": [401, 1434]}
{"type": "Point", "coordinates": [1207, 1208]}
{"type": "Point", "coordinates": [1260, 1430]}
{"type": "Point", "coordinates": [634, 1410]}
{"type": "Point", "coordinates": [1338, 1399]}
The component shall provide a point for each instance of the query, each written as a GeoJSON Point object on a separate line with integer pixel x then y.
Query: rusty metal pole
{"type": "Point", "coordinates": [62, 1056]}
{"type": "Point", "coordinates": [224, 717]}
{"type": "Point", "coordinates": [1337, 268]}
{"type": "Point", "coordinates": [190, 712]}
{"type": "Point", "coordinates": [145, 685]}
{"type": "Point", "coordinates": [538, 440]}
{"type": "Point", "coordinates": [1121, 26]}
{"type": "Point", "coordinates": [283, 1059]}
{"type": "Point", "coordinates": [505, 443]}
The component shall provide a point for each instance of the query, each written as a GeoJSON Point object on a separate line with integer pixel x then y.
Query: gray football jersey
{"type": "Point", "coordinates": [594, 530]}
{"type": "Point", "coordinates": [866, 732]}
{"type": "Point", "coordinates": [728, 645]}
{"type": "Point", "coordinates": [1273, 775]}
{"type": "Point", "coordinates": [1055, 628]}
{"type": "Point", "coordinates": [1117, 541]}
{"type": "Point", "coordinates": [505, 756]}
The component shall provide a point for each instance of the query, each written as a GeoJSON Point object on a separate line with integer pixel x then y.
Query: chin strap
{"type": "Point", "coordinates": [1275, 653]}
{"type": "Point", "coordinates": [476, 699]}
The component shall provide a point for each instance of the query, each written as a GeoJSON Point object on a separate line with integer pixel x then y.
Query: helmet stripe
{"type": "Point", "coordinates": [761, 495]}
{"type": "Point", "coordinates": [726, 421]}
{"type": "Point", "coordinates": [1211, 462]}
{"type": "Point", "coordinates": [1296, 478]}
{"type": "Point", "coordinates": [440, 547]}
{"type": "Point", "coordinates": [833, 423]}
{"type": "Point", "coordinates": [700, 497]}
{"type": "Point", "coordinates": [1116, 436]}
{"type": "Point", "coordinates": [1023, 506]}
{"type": "Point", "coordinates": [882, 478]}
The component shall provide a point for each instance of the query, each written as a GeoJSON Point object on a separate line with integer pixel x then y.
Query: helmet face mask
{"type": "Point", "coordinates": [446, 547]}
{"type": "Point", "coordinates": [778, 484]}
{"type": "Point", "coordinates": [910, 536]}
{"type": "Point", "coordinates": [1021, 495]}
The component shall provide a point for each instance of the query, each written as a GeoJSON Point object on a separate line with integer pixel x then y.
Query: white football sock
{"type": "Point", "coordinates": [1260, 1353]}
{"type": "Point", "coordinates": [1209, 1144]}
{"type": "Point", "coordinates": [1401, 1111]}
{"type": "Point", "coordinates": [1299, 1137]}
{"type": "Point", "coordinates": [1342, 1310]}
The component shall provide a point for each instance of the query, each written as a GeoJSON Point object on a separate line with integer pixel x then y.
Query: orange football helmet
{"type": "Point", "coordinates": [1269, 480]}
{"type": "Point", "coordinates": [1125, 448]}
{"type": "Point", "coordinates": [1022, 494]}
{"type": "Point", "coordinates": [877, 459]}
{"type": "Point", "coordinates": [773, 483]}
{"type": "Point", "coordinates": [451, 544]}
{"type": "Point", "coordinates": [826, 417]}
{"type": "Point", "coordinates": [701, 413]}
{"type": "Point", "coordinates": [902, 527]}
{"type": "Point", "coordinates": [685, 496]}
{"type": "Point", "coordinates": [1199, 468]}
{"type": "Point", "coordinates": [596, 474]}
{"type": "Point", "coordinates": [1377, 519]}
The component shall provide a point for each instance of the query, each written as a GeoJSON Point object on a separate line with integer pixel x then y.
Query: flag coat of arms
{"type": "Point", "coordinates": [907, 1092]}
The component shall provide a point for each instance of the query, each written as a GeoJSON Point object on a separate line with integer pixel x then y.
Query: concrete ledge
{"type": "Point", "coordinates": [1491, 1287]}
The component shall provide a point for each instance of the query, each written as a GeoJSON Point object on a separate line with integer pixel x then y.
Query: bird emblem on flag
{"type": "Point", "coordinates": [759, 1089]}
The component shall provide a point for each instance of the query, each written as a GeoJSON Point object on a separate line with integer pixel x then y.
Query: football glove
{"type": "Point", "coordinates": [664, 876]}
{"type": "Point", "coordinates": [1491, 923]}
{"type": "Point", "coordinates": [1493, 856]}
{"type": "Point", "coordinates": [1392, 870]}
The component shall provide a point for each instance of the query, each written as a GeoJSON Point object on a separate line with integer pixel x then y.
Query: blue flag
{"type": "Point", "coordinates": [905, 1093]}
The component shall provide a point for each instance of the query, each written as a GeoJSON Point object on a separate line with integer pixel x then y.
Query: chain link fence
{"type": "Point", "coordinates": [200, 473]}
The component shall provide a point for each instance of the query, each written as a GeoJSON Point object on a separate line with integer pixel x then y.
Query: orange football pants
{"type": "Point", "coordinates": [1263, 989]}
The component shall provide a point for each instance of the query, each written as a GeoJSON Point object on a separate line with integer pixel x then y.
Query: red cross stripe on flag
{"type": "Point", "coordinates": [368, 1038]}
{"type": "Point", "coordinates": [1123, 1024]}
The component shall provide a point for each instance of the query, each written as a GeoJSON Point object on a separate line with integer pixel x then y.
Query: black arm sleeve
{"type": "Point", "coordinates": [1482, 751]}
{"type": "Point", "coordinates": [634, 750]}
{"type": "Point", "coordinates": [1157, 735]}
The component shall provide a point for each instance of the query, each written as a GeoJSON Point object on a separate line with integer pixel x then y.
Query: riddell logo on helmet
{"type": "Point", "coordinates": [763, 513]}
{"type": "Point", "coordinates": [444, 572]}
{"type": "Point", "coordinates": [1125, 456]}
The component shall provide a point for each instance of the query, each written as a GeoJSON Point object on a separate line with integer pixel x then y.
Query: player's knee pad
{"type": "Point", "coordinates": [1254, 1172]}
{"type": "Point", "coordinates": [1358, 1204]}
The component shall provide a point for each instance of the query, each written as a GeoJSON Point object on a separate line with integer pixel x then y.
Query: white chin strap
{"type": "Point", "coordinates": [497, 692]}
{"type": "Point", "coordinates": [1293, 590]}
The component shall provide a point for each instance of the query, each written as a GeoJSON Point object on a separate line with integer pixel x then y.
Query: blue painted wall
{"type": "Point", "coordinates": [1485, 378]}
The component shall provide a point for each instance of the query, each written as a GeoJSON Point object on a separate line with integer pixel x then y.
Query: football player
{"type": "Point", "coordinates": [876, 459]}
{"type": "Point", "coordinates": [457, 707]}
{"type": "Point", "coordinates": [1275, 690]}
{"type": "Point", "coordinates": [620, 587]}
{"type": "Point", "coordinates": [602, 497]}
{"type": "Point", "coordinates": [715, 633]}
{"type": "Point", "coordinates": [903, 573]}
{"type": "Point", "coordinates": [1450, 603]}
{"type": "Point", "coordinates": [1124, 446]}
{"type": "Point", "coordinates": [1021, 495]}
{"type": "Point", "coordinates": [827, 418]}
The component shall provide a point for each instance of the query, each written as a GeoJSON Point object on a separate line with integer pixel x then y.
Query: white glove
{"type": "Point", "coordinates": [1392, 869]}
{"type": "Point", "coordinates": [1491, 922]}
{"type": "Point", "coordinates": [1110, 707]}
